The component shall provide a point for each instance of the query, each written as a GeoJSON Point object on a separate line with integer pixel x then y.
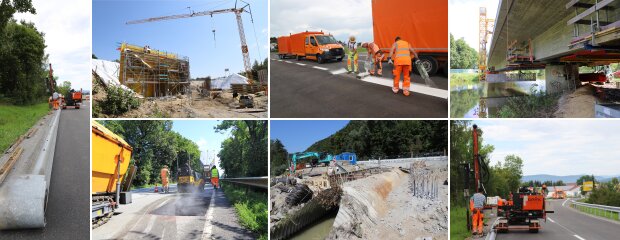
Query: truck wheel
{"type": "Point", "coordinates": [320, 59]}
{"type": "Point", "coordinates": [340, 59]}
{"type": "Point", "coordinates": [281, 56]}
{"type": "Point", "coordinates": [298, 58]}
{"type": "Point", "coordinates": [430, 64]}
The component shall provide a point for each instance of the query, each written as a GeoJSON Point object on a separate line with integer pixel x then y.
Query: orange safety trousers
{"type": "Point", "coordinates": [377, 62]}
{"type": "Point", "coordinates": [478, 220]}
{"type": "Point", "coordinates": [404, 69]}
{"type": "Point", "coordinates": [55, 102]}
{"type": "Point", "coordinates": [215, 181]}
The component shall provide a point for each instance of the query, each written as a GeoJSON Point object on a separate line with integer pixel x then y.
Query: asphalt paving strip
{"type": "Point", "coordinates": [301, 91]}
{"type": "Point", "coordinates": [67, 211]}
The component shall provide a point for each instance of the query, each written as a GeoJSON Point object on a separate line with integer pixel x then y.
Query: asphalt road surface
{"type": "Point", "coordinates": [567, 224]}
{"type": "Point", "coordinates": [206, 215]}
{"type": "Point", "coordinates": [311, 90]}
{"type": "Point", "coordinates": [68, 204]}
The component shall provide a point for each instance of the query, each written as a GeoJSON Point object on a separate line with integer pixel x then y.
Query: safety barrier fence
{"type": "Point", "coordinates": [258, 182]}
{"type": "Point", "coordinates": [598, 210]}
{"type": "Point", "coordinates": [404, 160]}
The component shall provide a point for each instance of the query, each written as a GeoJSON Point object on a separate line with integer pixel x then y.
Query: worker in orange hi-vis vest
{"type": "Point", "coordinates": [165, 173]}
{"type": "Point", "coordinates": [375, 56]}
{"type": "Point", "coordinates": [402, 52]}
{"type": "Point", "coordinates": [56, 100]}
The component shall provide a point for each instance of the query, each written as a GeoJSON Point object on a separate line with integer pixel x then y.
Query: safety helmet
{"type": "Point", "coordinates": [352, 38]}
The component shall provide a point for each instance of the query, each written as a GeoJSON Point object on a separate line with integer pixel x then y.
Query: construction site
{"type": "Point", "coordinates": [150, 82]}
{"type": "Point", "coordinates": [362, 200]}
{"type": "Point", "coordinates": [567, 51]}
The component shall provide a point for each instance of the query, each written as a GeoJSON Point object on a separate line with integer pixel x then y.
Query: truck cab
{"type": "Point", "coordinates": [322, 48]}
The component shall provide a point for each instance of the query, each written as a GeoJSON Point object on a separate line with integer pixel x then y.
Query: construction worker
{"type": "Point", "coordinates": [215, 177]}
{"type": "Point", "coordinates": [402, 63]}
{"type": "Point", "coordinates": [375, 56]}
{"type": "Point", "coordinates": [476, 203]}
{"type": "Point", "coordinates": [164, 178]}
{"type": "Point", "coordinates": [55, 100]}
{"type": "Point", "coordinates": [352, 55]}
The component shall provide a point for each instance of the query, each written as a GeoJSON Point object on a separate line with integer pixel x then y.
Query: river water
{"type": "Point", "coordinates": [319, 230]}
{"type": "Point", "coordinates": [484, 100]}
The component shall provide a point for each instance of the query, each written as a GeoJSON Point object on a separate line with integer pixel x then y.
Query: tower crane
{"type": "Point", "coordinates": [485, 28]}
{"type": "Point", "coordinates": [236, 10]}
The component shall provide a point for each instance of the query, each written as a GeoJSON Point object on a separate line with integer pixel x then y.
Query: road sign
{"type": "Point", "coordinates": [587, 186]}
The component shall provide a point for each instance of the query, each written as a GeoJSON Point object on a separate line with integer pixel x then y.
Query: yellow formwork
{"type": "Point", "coordinates": [107, 149]}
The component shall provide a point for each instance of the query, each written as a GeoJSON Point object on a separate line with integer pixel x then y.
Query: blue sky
{"type": "Point", "coordinates": [297, 135]}
{"type": "Point", "coordinates": [203, 134]}
{"type": "Point", "coordinates": [190, 37]}
{"type": "Point", "coordinates": [557, 147]}
{"type": "Point", "coordinates": [464, 16]}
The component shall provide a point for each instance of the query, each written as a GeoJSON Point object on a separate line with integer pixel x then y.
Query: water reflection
{"type": "Point", "coordinates": [485, 99]}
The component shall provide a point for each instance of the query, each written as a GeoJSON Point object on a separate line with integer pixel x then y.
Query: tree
{"type": "Point", "coordinates": [278, 158]}
{"type": "Point", "coordinates": [462, 56]}
{"type": "Point", "coordinates": [8, 8]}
{"type": "Point", "coordinates": [64, 88]}
{"type": "Point", "coordinates": [244, 153]}
{"type": "Point", "coordinates": [94, 56]}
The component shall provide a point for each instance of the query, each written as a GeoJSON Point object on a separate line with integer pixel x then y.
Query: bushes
{"type": "Point", "coordinates": [536, 105]}
{"type": "Point", "coordinates": [118, 101]}
{"type": "Point", "coordinates": [251, 208]}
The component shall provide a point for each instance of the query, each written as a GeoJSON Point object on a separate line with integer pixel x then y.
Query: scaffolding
{"type": "Point", "coordinates": [153, 73]}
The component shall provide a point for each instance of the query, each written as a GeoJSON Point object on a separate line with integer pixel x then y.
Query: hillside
{"type": "Point", "coordinates": [566, 179]}
{"type": "Point", "coordinates": [386, 139]}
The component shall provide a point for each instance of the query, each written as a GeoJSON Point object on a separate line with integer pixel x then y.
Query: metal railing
{"type": "Point", "coordinates": [401, 160]}
{"type": "Point", "coordinates": [259, 182]}
{"type": "Point", "coordinates": [599, 210]}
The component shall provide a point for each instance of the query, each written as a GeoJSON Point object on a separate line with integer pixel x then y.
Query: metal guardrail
{"type": "Point", "coordinates": [260, 182]}
{"type": "Point", "coordinates": [605, 209]}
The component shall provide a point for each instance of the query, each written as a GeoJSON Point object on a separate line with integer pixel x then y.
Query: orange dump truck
{"type": "Point", "coordinates": [422, 23]}
{"type": "Point", "coordinates": [310, 45]}
{"type": "Point", "coordinates": [110, 160]}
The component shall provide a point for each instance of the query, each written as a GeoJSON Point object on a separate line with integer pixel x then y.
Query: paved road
{"type": "Point", "coordinates": [175, 216]}
{"type": "Point", "coordinates": [68, 205]}
{"type": "Point", "coordinates": [308, 89]}
{"type": "Point", "coordinates": [567, 223]}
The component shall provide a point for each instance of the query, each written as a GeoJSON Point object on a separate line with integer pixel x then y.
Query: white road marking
{"type": "Point", "coordinates": [415, 87]}
{"type": "Point", "coordinates": [149, 226]}
{"type": "Point", "coordinates": [580, 238]}
{"type": "Point", "coordinates": [564, 202]}
{"type": "Point", "coordinates": [161, 204]}
{"type": "Point", "coordinates": [551, 220]}
{"type": "Point", "coordinates": [339, 71]}
{"type": "Point", "coordinates": [288, 62]}
{"type": "Point", "coordinates": [320, 68]}
{"type": "Point", "coordinates": [208, 228]}
{"type": "Point", "coordinates": [144, 214]}
{"type": "Point", "coordinates": [301, 64]}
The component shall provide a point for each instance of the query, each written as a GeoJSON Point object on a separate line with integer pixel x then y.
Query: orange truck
{"type": "Point", "coordinates": [422, 23]}
{"type": "Point", "coordinates": [310, 45]}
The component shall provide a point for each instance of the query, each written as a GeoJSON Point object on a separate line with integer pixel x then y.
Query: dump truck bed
{"type": "Point", "coordinates": [107, 147]}
{"type": "Point", "coordinates": [422, 23]}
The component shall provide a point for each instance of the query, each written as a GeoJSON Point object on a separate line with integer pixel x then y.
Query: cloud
{"type": "Point", "coordinates": [340, 18]}
{"type": "Point", "coordinates": [464, 16]}
{"type": "Point", "coordinates": [559, 147]}
{"type": "Point", "coordinates": [67, 29]}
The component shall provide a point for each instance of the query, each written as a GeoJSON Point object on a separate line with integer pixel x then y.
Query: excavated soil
{"type": "Point", "coordinates": [578, 104]}
{"type": "Point", "coordinates": [383, 206]}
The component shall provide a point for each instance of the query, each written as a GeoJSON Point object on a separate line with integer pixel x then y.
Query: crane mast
{"type": "Point", "coordinates": [485, 28]}
{"type": "Point", "coordinates": [235, 10]}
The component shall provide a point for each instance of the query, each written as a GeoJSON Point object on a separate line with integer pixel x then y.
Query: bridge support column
{"type": "Point", "coordinates": [561, 78]}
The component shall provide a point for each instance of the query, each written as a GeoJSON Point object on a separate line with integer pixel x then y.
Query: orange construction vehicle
{"type": "Point", "coordinates": [523, 213]}
{"type": "Point", "coordinates": [558, 194]}
{"type": "Point", "coordinates": [422, 23]}
{"type": "Point", "coordinates": [310, 45]}
{"type": "Point", "coordinates": [74, 99]}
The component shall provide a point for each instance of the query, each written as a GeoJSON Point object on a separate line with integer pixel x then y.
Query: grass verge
{"type": "Point", "coordinates": [251, 207]}
{"type": "Point", "coordinates": [458, 223]}
{"type": "Point", "coordinates": [536, 105]}
{"type": "Point", "coordinates": [16, 120]}
{"type": "Point", "coordinates": [600, 213]}
{"type": "Point", "coordinates": [461, 79]}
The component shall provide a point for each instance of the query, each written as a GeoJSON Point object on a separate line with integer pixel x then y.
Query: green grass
{"type": "Point", "coordinates": [461, 79]}
{"type": "Point", "coordinates": [458, 223]}
{"type": "Point", "coordinates": [531, 106]}
{"type": "Point", "coordinates": [251, 208]}
{"type": "Point", "coordinates": [600, 213]}
{"type": "Point", "coordinates": [16, 120]}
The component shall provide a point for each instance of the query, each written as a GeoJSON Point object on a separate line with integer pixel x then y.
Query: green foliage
{"type": "Point", "coordinates": [506, 176]}
{"type": "Point", "coordinates": [462, 101]}
{"type": "Point", "coordinates": [255, 68]}
{"type": "Point", "coordinates": [22, 54]}
{"type": "Point", "coordinates": [458, 223]}
{"type": "Point", "coordinates": [386, 139]}
{"type": "Point", "coordinates": [244, 153]}
{"type": "Point", "coordinates": [463, 79]}
{"type": "Point", "coordinates": [94, 56]}
{"type": "Point", "coordinates": [64, 88]}
{"type": "Point", "coordinates": [462, 56]}
{"type": "Point", "coordinates": [251, 207]}
{"type": "Point", "coordinates": [537, 183]}
{"type": "Point", "coordinates": [535, 105]}
{"type": "Point", "coordinates": [118, 101]}
{"type": "Point", "coordinates": [155, 145]}
{"type": "Point", "coordinates": [16, 120]}
{"type": "Point", "coordinates": [607, 193]}
{"type": "Point", "coordinates": [278, 158]}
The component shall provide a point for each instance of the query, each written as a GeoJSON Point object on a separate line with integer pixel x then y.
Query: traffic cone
{"type": "Point", "coordinates": [156, 189]}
